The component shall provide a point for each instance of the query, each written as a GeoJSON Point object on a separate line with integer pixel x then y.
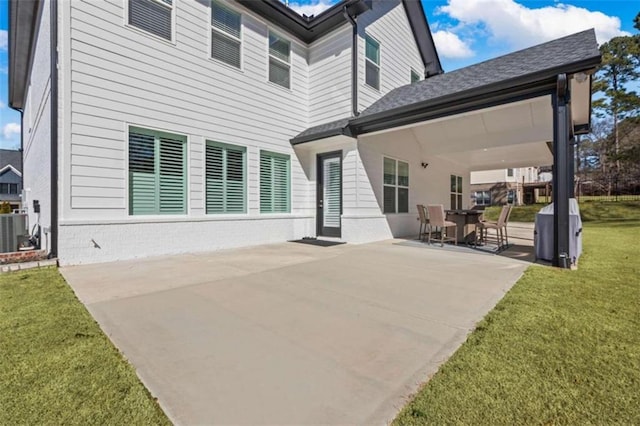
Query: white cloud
{"type": "Point", "coordinates": [4, 39]}
{"type": "Point", "coordinates": [507, 21]}
{"type": "Point", "coordinates": [315, 7]}
{"type": "Point", "coordinates": [2, 105]}
{"type": "Point", "coordinates": [449, 45]}
{"type": "Point", "coordinates": [11, 129]}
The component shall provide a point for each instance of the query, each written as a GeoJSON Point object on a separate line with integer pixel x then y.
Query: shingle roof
{"type": "Point", "coordinates": [325, 130]}
{"type": "Point", "coordinates": [546, 56]}
{"type": "Point", "coordinates": [568, 54]}
{"type": "Point", "coordinates": [11, 157]}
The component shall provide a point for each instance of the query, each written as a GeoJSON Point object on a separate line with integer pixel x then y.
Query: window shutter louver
{"type": "Point", "coordinates": [143, 185]}
{"type": "Point", "coordinates": [151, 16]}
{"type": "Point", "coordinates": [157, 173]}
{"type": "Point", "coordinates": [225, 179]}
{"type": "Point", "coordinates": [274, 183]}
{"type": "Point", "coordinates": [172, 176]}
{"type": "Point", "coordinates": [235, 176]}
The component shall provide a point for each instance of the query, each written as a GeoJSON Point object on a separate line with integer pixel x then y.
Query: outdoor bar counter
{"type": "Point", "coordinates": [466, 220]}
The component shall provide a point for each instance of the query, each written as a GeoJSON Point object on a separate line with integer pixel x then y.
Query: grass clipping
{"type": "Point", "coordinates": [562, 347]}
{"type": "Point", "coordinates": [56, 365]}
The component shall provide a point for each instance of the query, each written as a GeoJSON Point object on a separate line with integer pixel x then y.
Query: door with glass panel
{"type": "Point", "coordinates": [329, 194]}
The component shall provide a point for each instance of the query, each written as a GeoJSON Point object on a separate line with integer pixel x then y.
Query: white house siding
{"type": "Point", "coordinates": [387, 23]}
{"type": "Point", "coordinates": [430, 185]}
{"type": "Point", "coordinates": [120, 75]}
{"type": "Point", "coordinates": [330, 77]}
{"type": "Point", "coordinates": [36, 134]}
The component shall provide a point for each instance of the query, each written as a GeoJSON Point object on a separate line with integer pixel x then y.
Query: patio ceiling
{"type": "Point", "coordinates": [510, 135]}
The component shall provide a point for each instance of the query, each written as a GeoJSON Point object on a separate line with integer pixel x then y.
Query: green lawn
{"type": "Point", "coordinates": [589, 211]}
{"type": "Point", "coordinates": [562, 347]}
{"type": "Point", "coordinates": [56, 365]}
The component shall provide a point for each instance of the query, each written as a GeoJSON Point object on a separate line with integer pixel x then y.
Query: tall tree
{"type": "Point", "coordinates": [620, 66]}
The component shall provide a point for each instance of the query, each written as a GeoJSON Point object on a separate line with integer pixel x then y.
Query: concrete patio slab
{"type": "Point", "coordinates": [292, 333]}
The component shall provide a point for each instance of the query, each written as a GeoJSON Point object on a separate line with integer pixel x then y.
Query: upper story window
{"type": "Point", "coordinates": [8, 188]}
{"type": "Point", "coordinates": [279, 60]}
{"type": "Point", "coordinates": [226, 31]}
{"type": "Point", "coordinates": [482, 198]}
{"type": "Point", "coordinates": [153, 16]}
{"type": "Point", "coordinates": [415, 77]}
{"type": "Point", "coordinates": [510, 172]}
{"type": "Point", "coordinates": [372, 62]}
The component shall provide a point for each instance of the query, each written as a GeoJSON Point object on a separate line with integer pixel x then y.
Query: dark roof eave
{"type": "Point", "coordinates": [345, 131]}
{"type": "Point", "coordinates": [424, 38]}
{"type": "Point", "coordinates": [455, 103]}
{"type": "Point", "coordinates": [23, 32]}
{"type": "Point", "coordinates": [306, 29]}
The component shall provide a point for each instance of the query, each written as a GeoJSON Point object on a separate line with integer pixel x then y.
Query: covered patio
{"type": "Point", "coordinates": [518, 110]}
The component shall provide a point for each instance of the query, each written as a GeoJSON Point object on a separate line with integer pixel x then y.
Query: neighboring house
{"type": "Point", "coordinates": [171, 126]}
{"type": "Point", "coordinates": [11, 178]}
{"type": "Point", "coordinates": [507, 186]}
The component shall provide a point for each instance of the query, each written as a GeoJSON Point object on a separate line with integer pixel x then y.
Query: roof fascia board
{"type": "Point", "coordinates": [10, 167]}
{"type": "Point", "coordinates": [343, 131]}
{"type": "Point", "coordinates": [506, 88]}
{"type": "Point", "coordinates": [307, 29]}
{"type": "Point", "coordinates": [474, 103]}
{"type": "Point", "coordinates": [24, 26]}
{"type": "Point", "coordinates": [424, 38]}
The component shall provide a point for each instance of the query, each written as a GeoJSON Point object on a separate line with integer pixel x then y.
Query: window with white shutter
{"type": "Point", "coordinates": [153, 16]}
{"type": "Point", "coordinates": [225, 171]}
{"type": "Point", "coordinates": [275, 172]}
{"type": "Point", "coordinates": [279, 60]}
{"type": "Point", "coordinates": [157, 172]}
{"type": "Point", "coordinates": [226, 32]}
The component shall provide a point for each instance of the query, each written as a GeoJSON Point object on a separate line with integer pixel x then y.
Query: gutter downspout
{"type": "Point", "coordinates": [354, 62]}
{"type": "Point", "coordinates": [54, 128]}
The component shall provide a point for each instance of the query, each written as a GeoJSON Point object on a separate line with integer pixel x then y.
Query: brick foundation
{"type": "Point", "coordinates": [22, 256]}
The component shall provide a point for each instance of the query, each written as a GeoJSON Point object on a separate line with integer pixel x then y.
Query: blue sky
{"type": "Point", "coordinates": [466, 32]}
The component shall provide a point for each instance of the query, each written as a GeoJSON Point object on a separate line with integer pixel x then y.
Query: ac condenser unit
{"type": "Point", "coordinates": [11, 226]}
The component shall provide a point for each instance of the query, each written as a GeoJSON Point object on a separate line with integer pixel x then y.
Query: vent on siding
{"type": "Point", "coordinates": [153, 16]}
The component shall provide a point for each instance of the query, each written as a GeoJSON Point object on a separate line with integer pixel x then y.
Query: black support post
{"type": "Point", "coordinates": [561, 172]}
{"type": "Point", "coordinates": [572, 167]}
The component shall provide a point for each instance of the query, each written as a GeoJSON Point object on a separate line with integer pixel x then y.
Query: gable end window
{"type": "Point", "coordinates": [415, 77]}
{"type": "Point", "coordinates": [226, 176]}
{"type": "Point", "coordinates": [157, 172]}
{"type": "Point", "coordinates": [226, 28]}
{"type": "Point", "coordinates": [153, 16]}
{"type": "Point", "coordinates": [396, 186]}
{"type": "Point", "coordinates": [275, 178]}
{"type": "Point", "coordinates": [279, 60]}
{"type": "Point", "coordinates": [372, 62]}
{"type": "Point", "coordinates": [8, 188]}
